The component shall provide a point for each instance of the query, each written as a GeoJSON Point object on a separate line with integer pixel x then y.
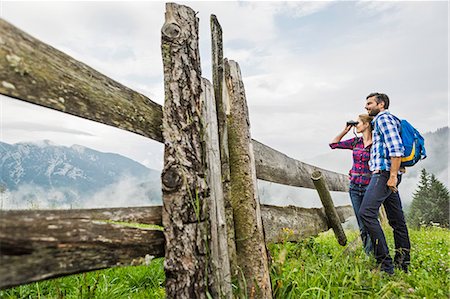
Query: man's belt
{"type": "Point", "coordinates": [401, 171]}
{"type": "Point", "coordinates": [379, 171]}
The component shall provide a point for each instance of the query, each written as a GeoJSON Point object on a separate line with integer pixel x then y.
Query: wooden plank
{"type": "Point", "coordinates": [33, 71]}
{"type": "Point", "coordinates": [274, 166]}
{"type": "Point", "coordinates": [185, 189]}
{"type": "Point", "coordinates": [294, 223]}
{"type": "Point", "coordinates": [328, 205]}
{"type": "Point", "coordinates": [250, 244]}
{"type": "Point", "coordinates": [221, 97]}
{"type": "Point", "coordinates": [220, 260]}
{"type": "Point", "coordinates": [42, 244]}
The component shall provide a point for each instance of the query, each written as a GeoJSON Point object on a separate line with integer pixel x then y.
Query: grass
{"type": "Point", "coordinates": [313, 268]}
{"type": "Point", "coordinates": [320, 268]}
{"type": "Point", "coordinates": [121, 282]}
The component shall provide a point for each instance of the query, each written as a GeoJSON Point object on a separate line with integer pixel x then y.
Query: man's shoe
{"type": "Point", "coordinates": [402, 267]}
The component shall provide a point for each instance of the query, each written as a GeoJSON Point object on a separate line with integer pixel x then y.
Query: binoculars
{"type": "Point", "coordinates": [352, 123]}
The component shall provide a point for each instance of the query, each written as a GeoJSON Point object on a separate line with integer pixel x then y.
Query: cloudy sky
{"type": "Point", "coordinates": [307, 66]}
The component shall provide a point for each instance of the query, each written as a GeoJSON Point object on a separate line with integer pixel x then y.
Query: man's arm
{"type": "Point", "coordinates": [395, 166]}
{"type": "Point", "coordinates": [395, 148]}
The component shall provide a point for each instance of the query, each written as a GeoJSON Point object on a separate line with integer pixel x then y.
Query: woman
{"type": "Point", "coordinates": [360, 173]}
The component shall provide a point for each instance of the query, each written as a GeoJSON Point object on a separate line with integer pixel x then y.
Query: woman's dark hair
{"type": "Point", "coordinates": [380, 97]}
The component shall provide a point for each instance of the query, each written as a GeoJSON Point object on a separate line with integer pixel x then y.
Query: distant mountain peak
{"type": "Point", "coordinates": [76, 172]}
{"type": "Point", "coordinates": [38, 143]}
{"type": "Point", "coordinates": [78, 148]}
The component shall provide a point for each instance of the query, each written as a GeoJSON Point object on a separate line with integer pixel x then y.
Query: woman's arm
{"type": "Point", "coordinates": [341, 134]}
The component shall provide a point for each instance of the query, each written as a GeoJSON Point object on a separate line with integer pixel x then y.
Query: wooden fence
{"type": "Point", "coordinates": [214, 228]}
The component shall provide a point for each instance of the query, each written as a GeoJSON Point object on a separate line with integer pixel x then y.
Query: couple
{"type": "Point", "coordinates": [374, 178]}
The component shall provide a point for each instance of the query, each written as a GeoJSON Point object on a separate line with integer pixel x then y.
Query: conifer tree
{"type": "Point", "coordinates": [439, 197]}
{"type": "Point", "coordinates": [430, 202]}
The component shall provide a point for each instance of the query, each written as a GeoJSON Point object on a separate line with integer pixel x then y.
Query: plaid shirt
{"type": "Point", "coordinates": [360, 173]}
{"type": "Point", "coordinates": [387, 142]}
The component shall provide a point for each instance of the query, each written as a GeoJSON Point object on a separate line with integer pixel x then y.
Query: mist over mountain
{"type": "Point", "coordinates": [45, 175]}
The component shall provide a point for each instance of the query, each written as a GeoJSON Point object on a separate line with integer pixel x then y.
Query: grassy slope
{"type": "Point", "coordinates": [314, 268]}
{"type": "Point", "coordinates": [320, 268]}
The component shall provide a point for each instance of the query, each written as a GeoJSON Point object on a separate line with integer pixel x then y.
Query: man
{"type": "Point", "coordinates": [385, 158]}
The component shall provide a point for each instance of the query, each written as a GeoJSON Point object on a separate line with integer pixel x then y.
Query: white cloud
{"type": "Point", "coordinates": [300, 8]}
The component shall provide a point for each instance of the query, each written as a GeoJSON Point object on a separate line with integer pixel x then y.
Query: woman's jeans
{"type": "Point", "coordinates": [378, 193]}
{"type": "Point", "coordinates": [356, 195]}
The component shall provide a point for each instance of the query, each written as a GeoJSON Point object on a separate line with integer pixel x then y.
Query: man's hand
{"type": "Point", "coordinates": [392, 183]}
{"type": "Point", "coordinates": [393, 180]}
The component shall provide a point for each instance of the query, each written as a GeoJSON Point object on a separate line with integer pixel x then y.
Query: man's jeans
{"type": "Point", "coordinates": [356, 195]}
{"type": "Point", "coordinates": [378, 193]}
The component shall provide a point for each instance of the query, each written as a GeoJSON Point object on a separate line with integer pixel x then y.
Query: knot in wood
{"type": "Point", "coordinates": [171, 180]}
{"type": "Point", "coordinates": [316, 175]}
{"type": "Point", "coordinates": [171, 30]}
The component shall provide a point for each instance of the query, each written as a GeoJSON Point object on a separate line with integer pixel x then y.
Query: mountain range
{"type": "Point", "coordinates": [44, 175]}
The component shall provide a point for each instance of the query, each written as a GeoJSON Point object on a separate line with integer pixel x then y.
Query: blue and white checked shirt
{"type": "Point", "coordinates": [386, 141]}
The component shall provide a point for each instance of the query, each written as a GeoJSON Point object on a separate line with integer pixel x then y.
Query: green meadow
{"type": "Point", "coordinates": [317, 267]}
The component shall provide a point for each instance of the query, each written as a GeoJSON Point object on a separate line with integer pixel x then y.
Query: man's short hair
{"type": "Point", "coordinates": [380, 97]}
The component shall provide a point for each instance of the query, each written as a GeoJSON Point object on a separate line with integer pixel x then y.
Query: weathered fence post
{"type": "Point", "coordinates": [328, 206]}
{"type": "Point", "coordinates": [183, 177]}
{"type": "Point", "coordinates": [250, 245]}
{"type": "Point", "coordinates": [219, 239]}
{"type": "Point", "coordinates": [221, 107]}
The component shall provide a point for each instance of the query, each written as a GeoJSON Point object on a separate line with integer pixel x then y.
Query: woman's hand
{"type": "Point", "coordinates": [347, 128]}
{"type": "Point", "coordinates": [342, 134]}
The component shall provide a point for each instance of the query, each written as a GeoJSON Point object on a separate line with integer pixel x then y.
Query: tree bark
{"type": "Point", "coordinates": [250, 244]}
{"type": "Point", "coordinates": [185, 192]}
{"type": "Point", "coordinates": [221, 107]}
{"type": "Point", "coordinates": [328, 206]}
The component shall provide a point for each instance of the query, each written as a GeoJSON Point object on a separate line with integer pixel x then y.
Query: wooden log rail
{"type": "Point", "coordinates": [29, 70]}
{"type": "Point", "coordinates": [38, 245]}
{"type": "Point", "coordinates": [35, 72]}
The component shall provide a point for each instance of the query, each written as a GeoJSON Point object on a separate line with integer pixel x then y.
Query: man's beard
{"type": "Point", "coordinates": [374, 112]}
